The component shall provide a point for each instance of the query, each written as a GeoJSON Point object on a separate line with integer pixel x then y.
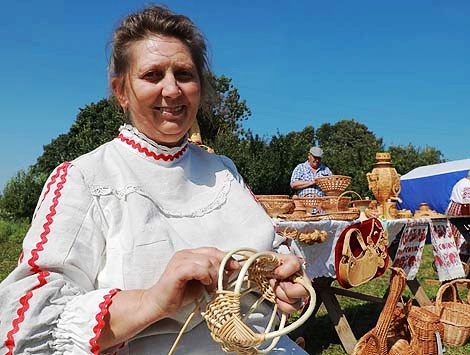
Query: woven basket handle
{"type": "Point", "coordinates": [351, 192]}
{"type": "Point", "coordinates": [300, 279]}
{"type": "Point", "coordinates": [346, 250]}
{"type": "Point", "coordinates": [455, 294]}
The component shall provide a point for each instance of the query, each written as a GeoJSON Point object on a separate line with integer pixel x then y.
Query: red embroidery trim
{"type": "Point", "coordinates": [51, 181]}
{"type": "Point", "coordinates": [95, 348]}
{"type": "Point", "coordinates": [150, 154]}
{"type": "Point", "coordinates": [41, 275]}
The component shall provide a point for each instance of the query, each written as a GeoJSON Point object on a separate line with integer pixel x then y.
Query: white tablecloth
{"type": "Point", "coordinates": [320, 257]}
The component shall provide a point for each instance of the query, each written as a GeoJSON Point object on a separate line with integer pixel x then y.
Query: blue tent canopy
{"type": "Point", "coordinates": [431, 184]}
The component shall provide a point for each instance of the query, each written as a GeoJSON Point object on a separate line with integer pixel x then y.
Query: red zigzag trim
{"type": "Point", "coordinates": [41, 275]}
{"type": "Point", "coordinates": [150, 154]}
{"type": "Point", "coordinates": [95, 348]}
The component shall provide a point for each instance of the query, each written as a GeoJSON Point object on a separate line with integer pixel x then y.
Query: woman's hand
{"type": "Point", "coordinates": [289, 295]}
{"type": "Point", "coordinates": [187, 275]}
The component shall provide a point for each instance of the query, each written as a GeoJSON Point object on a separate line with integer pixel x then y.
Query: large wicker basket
{"type": "Point", "coordinates": [275, 205]}
{"type": "Point", "coordinates": [333, 185]}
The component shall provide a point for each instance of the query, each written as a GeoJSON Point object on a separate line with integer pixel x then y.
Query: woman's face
{"type": "Point", "coordinates": [162, 89]}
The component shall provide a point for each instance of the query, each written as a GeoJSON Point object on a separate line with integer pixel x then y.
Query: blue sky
{"type": "Point", "coordinates": [400, 67]}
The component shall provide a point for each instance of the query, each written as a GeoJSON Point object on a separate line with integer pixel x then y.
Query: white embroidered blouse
{"type": "Point", "coordinates": [112, 219]}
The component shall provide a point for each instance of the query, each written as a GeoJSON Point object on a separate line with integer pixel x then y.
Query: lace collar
{"type": "Point", "coordinates": [138, 141]}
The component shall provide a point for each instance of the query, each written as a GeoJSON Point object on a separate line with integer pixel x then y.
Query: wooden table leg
{"type": "Point", "coordinates": [336, 315]}
{"type": "Point", "coordinates": [421, 296]}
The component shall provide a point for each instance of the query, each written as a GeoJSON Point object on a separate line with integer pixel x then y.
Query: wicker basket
{"type": "Point", "coordinates": [275, 205]}
{"type": "Point", "coordinates": [455, 315]}
{"type": "Point", "coordinates": [401, 347]}
{"type": "Point", "coordinates": [333, 185]}
{"type": "Point", "coordinates": [334, 203]}
{"type": "Point", "coordinates": [374, 342]}
{"type": "Point", "coordinates": [423, 326]}
{"type": "Point", "coordinates": [310, 201]}
{"type": "Point", "coordinates": [223, 313]}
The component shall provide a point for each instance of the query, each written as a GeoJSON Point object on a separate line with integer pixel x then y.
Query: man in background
{"type": "Point", "coordinates": [304, 175]}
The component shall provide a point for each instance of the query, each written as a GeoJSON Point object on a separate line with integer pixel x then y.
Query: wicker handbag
{"type": "Point", "coordinates": [374, 342]}
{"type": "Point", "coordinates": [359, 259]}
{"type": "Point", "coordinates": [223, 314]}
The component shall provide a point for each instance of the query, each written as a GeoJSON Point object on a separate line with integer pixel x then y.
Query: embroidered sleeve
{"type": "Point", "coordinates": [49, 303]}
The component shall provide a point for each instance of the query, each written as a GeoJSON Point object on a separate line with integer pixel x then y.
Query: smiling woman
{"type": "Point", "coordinates": [127, 237]}
{"type": "Point", "coordinates": [162, 90]}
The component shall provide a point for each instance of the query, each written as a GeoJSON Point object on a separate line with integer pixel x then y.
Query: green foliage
{"type": "Point", "coordinates": [349, 149]}
{"type": "Point", "coordinates": [95, 124]}
{"type": "Point", "coordinates": [21, 194]}
{"type": "Point", "coordinates": [227, 111]}
{"type": "Point", "coordinates": [266, 165]}
{"type": "Point", "coordinates": [406, 158]}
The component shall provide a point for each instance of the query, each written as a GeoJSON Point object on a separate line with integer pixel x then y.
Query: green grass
{"type": "Point", "coordinates": [320, 334]}
{"type": "Point", "coordinates": [11, 236]}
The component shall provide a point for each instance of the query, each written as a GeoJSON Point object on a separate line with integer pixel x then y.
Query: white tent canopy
{"type": "Point", "coordinates": [431, 184]}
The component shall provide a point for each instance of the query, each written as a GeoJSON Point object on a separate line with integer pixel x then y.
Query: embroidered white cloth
{"type": "Point", "coordinates": [110, 220]}
{"type": "Point", "coordinates": [410, 248]}
{"type": "Point", "coordinates": [446, 255]}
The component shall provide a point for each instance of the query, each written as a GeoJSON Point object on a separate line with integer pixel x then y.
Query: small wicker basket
{"type": "Point", "coordinates": [425, 327]}
{"type": "Point", "coordinates": [310, 201]}
{"type": "Point", "coordinates": [334, 203]}
{"type": "Point", "coordinates": [275, 205]}
{"type": "Point", "coordinates": [333, 185]}
{"type": "Point", "coordinates": [223, 314]}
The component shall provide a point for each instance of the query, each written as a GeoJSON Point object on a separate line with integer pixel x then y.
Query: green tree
{"type": "Point", "coordinates": [267, 163]}
{"type": "Point", "coordinates": [95, 124]}
{"type": "Point", "coordinates": [406, 158]}
{"type": "Point", "coordinates": [349, 149]}
{"type": "Point", "coordinates": [20, 195]}
{"type": "Point", "coordinates": [226, 114]}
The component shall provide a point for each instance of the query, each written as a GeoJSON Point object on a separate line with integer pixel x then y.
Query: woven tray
{"type": "Point", "coordinates": [340, 216]}
{"type": "Point", "coordinates": [299, 218]}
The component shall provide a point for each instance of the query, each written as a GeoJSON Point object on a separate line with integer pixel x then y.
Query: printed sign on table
{"type": "Point", "coordinates": [411, 247]}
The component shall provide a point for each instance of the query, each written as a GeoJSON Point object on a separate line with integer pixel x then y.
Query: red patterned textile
{"type": "Point", "coordinates": [411, 246]}
{"type": "Point", "coordinates": [446, 256]}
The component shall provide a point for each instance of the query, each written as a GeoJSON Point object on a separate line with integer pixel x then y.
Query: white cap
{"type": "Point", "coordinates": [316, 152]}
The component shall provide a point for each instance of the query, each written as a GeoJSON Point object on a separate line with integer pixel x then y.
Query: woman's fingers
{"type": "Point", "coordinates": [290, 264]}
{"type": "Point", "coordinates": [289, 295]}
